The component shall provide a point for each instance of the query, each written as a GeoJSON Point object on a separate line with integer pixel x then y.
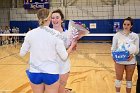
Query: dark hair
{"type": "Point", "coordinates": [129, 19]}
{"type": "Point", "coordinates": [60, 12]}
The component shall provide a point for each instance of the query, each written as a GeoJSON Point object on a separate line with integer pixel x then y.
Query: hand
{"type": "Point", "coordinates": [130, 57]}
{"type": "Point", "coordinates": [74, 48]}
{"type": "Point", "coordinates": [75, 38]}
{"type": "Point", "coordinates": [73, 43]}
{"type": "Point", "coordinates": [74, 33]}
{"type": "Point", "coordinates": [48, 20]}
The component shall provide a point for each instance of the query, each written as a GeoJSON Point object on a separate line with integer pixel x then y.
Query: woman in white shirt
{"type": "Point", "coordinates": [125, 37]}
{"type": "Point", "coordinates": [57, 20]}
{"type": "Point", "coordinates": [44, 44]}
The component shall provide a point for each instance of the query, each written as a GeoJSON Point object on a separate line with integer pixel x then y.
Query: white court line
{"type": "Point", "coordinates": [85, 35]}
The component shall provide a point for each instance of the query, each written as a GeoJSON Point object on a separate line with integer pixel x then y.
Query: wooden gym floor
{"type": "Point", "coordinates": [92, 70]}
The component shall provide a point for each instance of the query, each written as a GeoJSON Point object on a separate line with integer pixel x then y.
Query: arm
{"type": "Point", "coordinates": [70, 35]}
{"type": "Point", "coordinates": [25, 46]}
{"type": "Point", "coordinates": [72, 47]}
{"type": "Point", "coordinates": [114, 45]}
{"type": "Point", "coordinates": [136, 42]}
{"type": "Point", "coordinates": [48, 20]}
{"type": "Point", "coordinates": [137, 45]}
{"type": "Point", "coordinates": [61, 50]}
{"type": "Point", "coordinates": [66, 38]}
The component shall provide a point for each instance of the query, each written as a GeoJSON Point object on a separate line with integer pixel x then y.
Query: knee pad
{"type": "Point", "coordinates": [118, 83]}
{"type": "Point", "coordinates": [128, 84]}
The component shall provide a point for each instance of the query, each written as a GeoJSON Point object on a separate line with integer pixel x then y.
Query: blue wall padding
{"type": "Point", "coordinates": [103, 26]}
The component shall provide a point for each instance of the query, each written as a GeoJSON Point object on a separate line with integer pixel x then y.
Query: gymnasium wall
{"type": "Point", "coordinates": [4, 12]}
{"type": "Point", "coordinates": [101, 12]}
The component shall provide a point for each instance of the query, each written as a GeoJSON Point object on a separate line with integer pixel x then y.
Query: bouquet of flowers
{"type": "Point", "coordinates": [76, 30]}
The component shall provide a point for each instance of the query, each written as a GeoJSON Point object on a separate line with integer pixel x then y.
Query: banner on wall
{"type": "Point", "coordinates": [116, 26]}
{"type": "Point", "coordinates": [93, 26]}
{"type": "Point", "coordinates": [36, 4]}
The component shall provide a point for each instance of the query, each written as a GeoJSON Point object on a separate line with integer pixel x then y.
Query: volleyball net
{"type": "Point", "coordinates": [7, 39]}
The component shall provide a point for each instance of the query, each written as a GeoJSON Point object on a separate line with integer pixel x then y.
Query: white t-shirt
{"type": "Point", "coordinates": [44, 45]}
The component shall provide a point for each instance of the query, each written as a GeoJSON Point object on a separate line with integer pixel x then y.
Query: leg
{"type": "Point", "coordinates": [138, 69]}
{"type": "Point", "coordinates": [129, 73]}
{"type": "Point", "coordinates": [119, 68]}
{"type": "Point", "coordinates": [138, 81]}
{"type": "Point", "coordinates": [53, 88]}
{"type": "Point", "coordinates": [37, 88]}
{"type": "Point", "coordinates": [63, 81]}
{"type": "Point", "coordinates": [0, 40]}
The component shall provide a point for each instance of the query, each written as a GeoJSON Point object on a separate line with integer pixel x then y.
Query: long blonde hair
{"type": "Point", "coordinates": [42, 14]}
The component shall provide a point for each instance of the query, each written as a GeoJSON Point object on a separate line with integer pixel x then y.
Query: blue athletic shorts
{"type": "Point", "coordinates": [38, 78]}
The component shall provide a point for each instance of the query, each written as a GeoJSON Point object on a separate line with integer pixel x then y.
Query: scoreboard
{"type": "Point", "coordinates": [36, 4]}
